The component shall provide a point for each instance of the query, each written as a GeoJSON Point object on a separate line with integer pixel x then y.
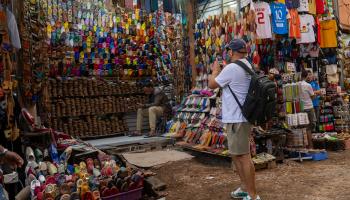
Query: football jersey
{"type": "Point", "coordinates": [279, 18]}
{"type": "Point", "coordinates": [294, 24]}
{"type": "Point", "coordinates": [303, 6]}
{"type": "Point", "coordinates": [262, 20]}
{"type": "Point", "coordinates": [307, 33]}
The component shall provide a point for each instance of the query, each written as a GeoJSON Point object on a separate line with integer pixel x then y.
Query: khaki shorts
{"type": "Point", "coordinates": [238, 138]}
{"type": "Point", "coordinates": [312, 118]}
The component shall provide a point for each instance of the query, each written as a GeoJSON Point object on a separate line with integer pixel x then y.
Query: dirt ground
{"type": "Point", "coordinates": [211, 179]}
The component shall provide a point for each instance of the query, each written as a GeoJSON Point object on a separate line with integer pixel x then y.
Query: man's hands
{"type": "Point", "coordinates": [13, 159]}
{"type": "Point", "coordinates": [215, 71]}
{"type": "Point", "coordinates": [216, 68]}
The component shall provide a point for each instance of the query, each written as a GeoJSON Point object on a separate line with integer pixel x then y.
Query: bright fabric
{"type": "Point", "coordinates": [318, 25]}
{"type": "Point", "coordinates": [279, 18]}
{"type": "Point", "coordinates": [304, 6]}
{"type": "Point", "coordinates": [281, 1]}
{"type": "Point", "coordinates": [262, 20]}
{"type": "Point", "coordinates": [312, 7]}
{"type": "Point", "coordinates": [294, 24]}
{"type": "Point", "coordinates": [319, 6]}
{"type": "Point", "coordinates": [239, 83]}
{"type": "Point", "coordinates": [292, 4]}
{"type": "Point", "coordinates": [307, 23]}
{"type": "Point", "coordinates": [328, 34]}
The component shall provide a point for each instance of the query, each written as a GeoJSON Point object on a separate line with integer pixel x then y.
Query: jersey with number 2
{"type": "Point", "coordinates": [262, 20]}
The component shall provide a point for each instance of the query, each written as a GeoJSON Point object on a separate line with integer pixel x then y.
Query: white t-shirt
{"type": "Point", "coordinates": [305, 95]}
{"type": "Point", "coordinates": [307, 23]}
{"type": "Point", "coordinates": [304, 6]}
{"type": "Point", "coordinates": [262, 20]}
{"type": "Point", "coordinates": [239, 81]}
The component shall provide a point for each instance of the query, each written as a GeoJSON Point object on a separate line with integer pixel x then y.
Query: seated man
{"type": "Point", "coordinates": [158, 105]}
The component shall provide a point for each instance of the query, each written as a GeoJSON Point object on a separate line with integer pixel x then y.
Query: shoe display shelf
{"type": "Point", "coordinates": [198, 126]}
{"type": "Point", "coordinates": [90, 108]}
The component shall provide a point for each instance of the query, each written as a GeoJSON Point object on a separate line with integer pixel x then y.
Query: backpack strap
{"type": "Point", "coordinates": [245, 67]}
{"type": "Point", "coordinates": [234, 96]}
{"type": "Point", "coordinates": [249, 71]}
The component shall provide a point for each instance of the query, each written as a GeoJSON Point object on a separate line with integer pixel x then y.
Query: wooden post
{"type": "Point", "coordinates": [191, 18]}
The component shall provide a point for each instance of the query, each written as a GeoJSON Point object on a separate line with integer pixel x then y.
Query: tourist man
{"type": "Point", "coordinates": [237, 127]}
{"type": "Point", "coordinates": [157, 106]}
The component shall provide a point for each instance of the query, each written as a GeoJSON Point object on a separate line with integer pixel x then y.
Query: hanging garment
{"type": "Point", "coordinates": [147, 5]}
{"type": "Point", "coordinates": [262, 20]}
{"type": "Point", "coordinates": [279, 18]}
{"type": "Point", "coordinates": [304, 6]}
{"type": "Point", "coordinates": [312, 7]}
{"type": "Point", "coordinates": [154, 5]}
{"type": "Point", "coordinates": [328, 30]}
{"type": "Point", "coordinates": [319, 6]}
{"type": "Point", "coordinates": [294, 24]}
{"type": "Point", "coordinates": [307, 23]}
{"type": "Point", "coordinates": [168, 6]}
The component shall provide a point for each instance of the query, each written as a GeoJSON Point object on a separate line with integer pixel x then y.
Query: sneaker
{"type": "Point", "coordinates": [239, 193]}
{"type": "Point", "coordinates": [249, 198]}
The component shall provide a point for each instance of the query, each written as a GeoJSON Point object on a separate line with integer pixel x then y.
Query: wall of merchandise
{"type": "Point", "coordinates": [277, 45]}
{"type": "Point", "coordinates": [85, 61]}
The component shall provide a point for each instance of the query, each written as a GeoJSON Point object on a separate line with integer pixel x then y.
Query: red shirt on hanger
{"type": "Point", "coordinates": [320, 6]}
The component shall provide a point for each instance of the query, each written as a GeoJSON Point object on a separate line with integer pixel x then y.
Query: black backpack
{"type": "Point", "coordinates": [260, 103]}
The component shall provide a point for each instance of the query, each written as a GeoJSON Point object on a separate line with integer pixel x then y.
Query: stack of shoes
{"type": "Point", "coordinates": [82, 87]}
{"type": "Point", "coordinates": [51, 175]}
{"type": "Point", "coordinates": [77, 103]}
{"type": "Point", "coordinates": [91, 126]}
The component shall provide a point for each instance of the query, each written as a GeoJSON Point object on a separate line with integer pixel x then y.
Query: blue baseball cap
{"type": "Point", "coordinates": [237, 45]}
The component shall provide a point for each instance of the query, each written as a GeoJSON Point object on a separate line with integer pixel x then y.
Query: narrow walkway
{"type": "Point", "coordinates": [324, 180]}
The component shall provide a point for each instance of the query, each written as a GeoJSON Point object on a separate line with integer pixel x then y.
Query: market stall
{"type": "Point", "coordinates": [282, 48]}
{"type": "Point", "coordinates": [86, 62]}
{"type": "Point", "coordinates": [80, 72]}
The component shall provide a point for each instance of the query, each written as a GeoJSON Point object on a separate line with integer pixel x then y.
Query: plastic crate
{"type": "Point", "coordinates": [131, 195]}
{"type": "Point", "coordinates": [320, 156]}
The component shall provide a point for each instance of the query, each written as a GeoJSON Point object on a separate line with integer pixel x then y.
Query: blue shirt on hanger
{"type": "Point", "coordinates": [279, 18]}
